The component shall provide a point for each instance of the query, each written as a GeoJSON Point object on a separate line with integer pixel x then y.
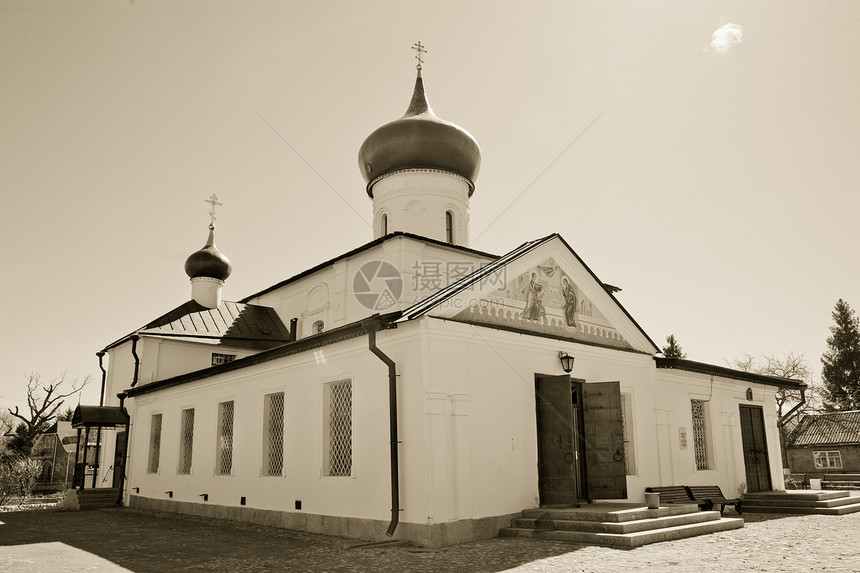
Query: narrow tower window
{"type": "Point", "coordinates": [383, 224]}
{"type": "Point", "coordinates": [449, 226]}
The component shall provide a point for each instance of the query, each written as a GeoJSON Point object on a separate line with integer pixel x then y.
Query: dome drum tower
{"type": "Point", "coordinates": [420, 172]}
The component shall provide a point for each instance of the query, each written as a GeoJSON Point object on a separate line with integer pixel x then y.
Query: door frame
{"type": "Point", "coordinates": [575, 421]}
{"type": "Point", "coordinates": [759, 419]}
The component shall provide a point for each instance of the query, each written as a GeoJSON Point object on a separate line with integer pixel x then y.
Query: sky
{"type": "Point", "coordinates": [701, 156]}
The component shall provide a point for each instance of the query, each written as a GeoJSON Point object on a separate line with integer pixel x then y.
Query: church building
{"type": "Point", "coordinates": [415, 386]}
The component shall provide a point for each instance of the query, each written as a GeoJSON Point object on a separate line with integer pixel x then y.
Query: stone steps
{"type": "Point", "coordinates": [91, 498]}
{"type": "Point", "coordinates": [804, 502]}
{"type": "Point", "coordinates": [623, 529]}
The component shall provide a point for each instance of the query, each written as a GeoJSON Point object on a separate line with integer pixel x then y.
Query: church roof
{"type": "Point", "coordinates": [827, 429]}
{"type": "Point", "coordinates": [713, 370]}
{"type": "Point", "coordinates": [469, 280]}
{"type": "Point", "coordinates": [363, 248]}
{"type": "Point", "coordinates": [232, 323]}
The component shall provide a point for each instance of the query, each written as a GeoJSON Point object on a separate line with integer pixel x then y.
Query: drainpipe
{"type": "Point", "coordinates": [101, 355]}
{"type": "Point", "coordinates": [799, 404]}
{"type": "Point", "coordinates": [101, 403]}
{"type": "Point", "coordinates": [293, 328]}
{"type": "Point", "coordinates": [134, 340]}
{"type": "Point", "coordinates": [371, 325]}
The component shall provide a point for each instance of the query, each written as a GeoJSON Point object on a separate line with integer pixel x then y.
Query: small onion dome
{"type": "Point", "coordinates": [209, 261]}
{"type": "Point", "coordinates": [419, 140]}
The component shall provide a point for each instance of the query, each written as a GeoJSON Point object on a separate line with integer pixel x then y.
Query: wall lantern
{"type": "Point", "coordinates": [566, 361]}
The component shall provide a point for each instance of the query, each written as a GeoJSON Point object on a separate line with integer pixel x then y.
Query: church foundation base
{"type": "Point", "coordinates": [421, 534]}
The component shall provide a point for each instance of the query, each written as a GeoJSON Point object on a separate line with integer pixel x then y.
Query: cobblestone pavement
{"type": "Point", "coordinates": [121, 539]}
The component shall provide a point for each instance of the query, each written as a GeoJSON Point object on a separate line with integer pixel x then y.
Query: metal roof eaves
{"type": "Point", "coordinates": [345, 332]}
{"type": "Point", "coordinates": [663, 362]}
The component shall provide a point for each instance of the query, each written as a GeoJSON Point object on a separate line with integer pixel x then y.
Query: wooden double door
{"type": "Point", "coordinates": [580, 441]}
{"type": "Point", "coordinates": [756, 458]}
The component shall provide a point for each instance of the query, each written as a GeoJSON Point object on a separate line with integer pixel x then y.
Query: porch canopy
{"type": "Point", "coordinates": [99, 417]}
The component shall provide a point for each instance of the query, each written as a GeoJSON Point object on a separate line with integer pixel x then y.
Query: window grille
{"type": "Point", "coordinates": [340, 428]}
{"type": "Point", "coordinates": [318, 326]}
{"type": "Point", "coordinates": [186, 440]}
{"type": "Point", "coordinates": [827, 460]}
{"type": "Point", "coordinates": [273, 440]}
{"type": "Point", "coordinates": [154, 443]}
{"type": "Point", "coordinates": [700, 435]}
{"type": "Point", "coordinates": [222, 358]}
{"type": "Point", "coordinates": [224, 463]}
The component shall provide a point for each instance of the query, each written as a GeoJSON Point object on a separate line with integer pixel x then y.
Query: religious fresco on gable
{"type": "Point", "coordinates": [544, 299]}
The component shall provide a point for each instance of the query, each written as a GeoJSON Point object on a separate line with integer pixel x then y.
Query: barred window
{"type": "Point", "coordinates": [318, 326]}
{"type": "Point", "coordinates": [224, 461]}
{"type": "Point", "coordinates": [273, 434]}
{"type": "Point", "coordinates": [827, 460]}
{"type": "Point", "coordinates": [700, 434]}
{"type": "Point", "coordinates": [626, 430]}
{"type": "Point", "coordinates": [222, 358]}
{"type": "Point", "coordinates": [339, 421]}
{"type": "Point", "coordinates": [186, 441]}
{"type": "Point", "coordinates": [154, 443]}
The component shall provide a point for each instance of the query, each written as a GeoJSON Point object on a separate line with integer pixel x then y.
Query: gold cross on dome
{"type": "Point", "coordinates": [419, 53]}
{"type": "Point", "coordinates": [213, 201]}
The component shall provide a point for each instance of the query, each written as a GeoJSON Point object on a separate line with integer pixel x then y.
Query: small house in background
{"type": "Point", "coordinates": [825, 444]}
{"type": "Point", "coordinates": [55, 450]}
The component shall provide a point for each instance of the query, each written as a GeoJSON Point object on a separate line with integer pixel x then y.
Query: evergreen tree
{"type": "Point", "coordinates": [673, 349]}
{"type": "Point", "coordinates": [840, 364]}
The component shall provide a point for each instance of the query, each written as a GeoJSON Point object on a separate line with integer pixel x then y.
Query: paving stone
{"type": "Point", "coordinates": [148, 541]}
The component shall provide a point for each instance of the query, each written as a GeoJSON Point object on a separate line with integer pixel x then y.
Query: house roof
{"type": "Point", "coordinates": [232, 323]}
{"type": "Point", "coordinates": [713, 370]}
{"type": "Point", "coordinates": [99, 417]}
{"type": "Point", "coordinates": [830, 428]}
{"type": "Point", "coordinates": [345, 332]}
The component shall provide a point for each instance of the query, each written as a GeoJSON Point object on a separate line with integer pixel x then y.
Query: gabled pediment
{"type": "Point", "coordinates": [542, 287]}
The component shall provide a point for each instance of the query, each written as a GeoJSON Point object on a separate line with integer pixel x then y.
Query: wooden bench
{"type": "Point", "coordinates": [675, 494]}
{"type": "Point", "coordinates": [713, 495]}
{"type": "Point", "coordinates": [840, 481]}
{"type": "Point", "coordinates": [796, 481]}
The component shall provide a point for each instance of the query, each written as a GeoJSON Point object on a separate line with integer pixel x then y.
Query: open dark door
{"type": "Point", "coordinates": [756, 460]}
{"type": "Point", "coordinates": [604, 441]}
{"type": "Point", "coordinates": [556, 445]}
{"type": "Point", "coordinates": [119, 458]}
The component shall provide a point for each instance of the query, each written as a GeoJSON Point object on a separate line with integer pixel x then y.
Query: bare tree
{"type": "Point", "coordinates": [43, 404]}
{"type": "Point", "coordinates": [793, 367]}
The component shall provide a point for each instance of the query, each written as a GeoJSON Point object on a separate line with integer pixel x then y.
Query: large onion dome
{"type": "Point", "coordinates": [419, 140]}
{"type": "Point", "coordinates": [209, 262]}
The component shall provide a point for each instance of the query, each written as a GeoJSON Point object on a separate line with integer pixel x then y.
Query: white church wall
{"type": "Point", "coordinates": [722, 398]}
{"type": "Point", "coordinates": [176, 357]}
{"type": "Point", "coordinates": [302, 378]}
{"type": "Point", "coordinates": [329, 294]}
{"type": "Point", "coordinates": [416, 201]}
{"type": "Point", "coordinates": [480, 390]}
